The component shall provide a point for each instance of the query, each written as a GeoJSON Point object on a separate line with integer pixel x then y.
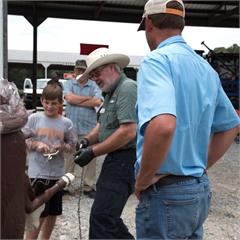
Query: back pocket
{"type": "Point", "coordinates": [181, 217]}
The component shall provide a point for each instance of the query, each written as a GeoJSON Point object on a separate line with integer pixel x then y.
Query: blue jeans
{"type": "Point", "coordinates": [175, 211]}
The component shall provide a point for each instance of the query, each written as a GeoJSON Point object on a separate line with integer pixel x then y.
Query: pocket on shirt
{"type": "Point", "coordinates": [111, 119]}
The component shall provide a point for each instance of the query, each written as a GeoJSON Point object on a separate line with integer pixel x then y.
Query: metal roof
{"type": "Point", "coordinates": [62, 58]}
{"type": "Point", "coordinates": [212, 13]}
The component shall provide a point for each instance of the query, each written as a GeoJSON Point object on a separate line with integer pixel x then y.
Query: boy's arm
{"type": "Point", "coordinates": [70, 140]}
{"type": "Point", "coordinates": [31, 144]}
{"type": "Point", "coordinates": [37, 146]}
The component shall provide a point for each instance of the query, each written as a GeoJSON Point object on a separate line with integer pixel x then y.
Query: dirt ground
{"type": "Point", "coordinates": [223, 222]}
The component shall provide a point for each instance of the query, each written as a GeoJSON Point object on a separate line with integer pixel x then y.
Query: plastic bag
{"type": "Point", "coordinates": [13, 114]}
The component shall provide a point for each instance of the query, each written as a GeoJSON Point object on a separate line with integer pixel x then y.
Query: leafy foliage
{"type": "Point", "coordinates": [232, 49]}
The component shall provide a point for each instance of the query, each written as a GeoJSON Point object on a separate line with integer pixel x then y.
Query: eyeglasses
{"type": "Point", "coordinates": [96, 72]}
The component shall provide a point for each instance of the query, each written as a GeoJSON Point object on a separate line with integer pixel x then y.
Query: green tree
{"type": "Point", "coordinates": [232, 49]}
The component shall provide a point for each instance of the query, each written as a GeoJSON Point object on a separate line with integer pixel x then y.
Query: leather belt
{"type": "Point", "coordinates": [173, 179]}
{"type": "Point", "coordinates": [123, 150]}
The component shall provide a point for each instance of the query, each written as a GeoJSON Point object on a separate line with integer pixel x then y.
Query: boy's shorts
{"type": "Point", "coordinates": [54, 205]}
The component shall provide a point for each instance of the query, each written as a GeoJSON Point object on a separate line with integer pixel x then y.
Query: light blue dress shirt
{"type": "Point", "coordinates": [173, 79]}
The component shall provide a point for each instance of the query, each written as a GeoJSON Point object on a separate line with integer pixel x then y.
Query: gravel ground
{"type": "Point", "coordinates": [222, 223]}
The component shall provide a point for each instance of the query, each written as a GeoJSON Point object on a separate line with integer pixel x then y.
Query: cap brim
{"type": "Point", "coordinates": [142, 25]}
{"type": "Point", "coordinates": [83, 68]}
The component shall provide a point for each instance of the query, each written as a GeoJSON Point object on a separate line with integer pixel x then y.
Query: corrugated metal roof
{"type": "Point", "coordinates": [198, 13]}
{"type": "Point", "coordinates": [63, 58]}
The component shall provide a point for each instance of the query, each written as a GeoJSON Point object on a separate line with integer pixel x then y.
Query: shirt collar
{"type": "Point", "coordinates": [86, 84]}
{"type": "Point", "coordinates": [171, 40]}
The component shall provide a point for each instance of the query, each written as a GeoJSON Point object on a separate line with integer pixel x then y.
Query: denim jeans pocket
{"type": "Point", "coordinates": [142, 206]}
{"type": "Point", "coordinates": [143, 219]}
{"type": "Point", "coordinates": [182, 215]}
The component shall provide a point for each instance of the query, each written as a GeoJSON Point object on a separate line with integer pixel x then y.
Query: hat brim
{"type": "Point", "coordinates": [142, 25]}
{"type": "Point", "coordinates": [120, 59]}
{"type": "Point", "coordinates": [78, 76]}
{"type": "Point", "coordinates": [80, 67]}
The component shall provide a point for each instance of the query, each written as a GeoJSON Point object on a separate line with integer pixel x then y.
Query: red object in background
{"type": "Point", "coordinates": [86, 48]}
{"type": "Point", "coordinates": [69, 75]}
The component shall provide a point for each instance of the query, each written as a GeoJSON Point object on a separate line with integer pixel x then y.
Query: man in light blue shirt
{"type": "Point", "coordinates": [185, 124]}
{"type": "Point", "coordinates": [82, 98]}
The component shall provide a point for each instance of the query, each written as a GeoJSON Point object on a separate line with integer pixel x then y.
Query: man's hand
{"type": "Point", "coordinates": [83, 143]}
{"type": "Point", "coordinates": [83, 156]}
{"type": "Point", "coordinates": [139, 188]}
{"type": "Point", "coordinates": [69, 97]}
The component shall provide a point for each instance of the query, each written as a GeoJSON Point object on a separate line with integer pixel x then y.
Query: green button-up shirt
{"type": "Point", "coordinates": [118, 108]}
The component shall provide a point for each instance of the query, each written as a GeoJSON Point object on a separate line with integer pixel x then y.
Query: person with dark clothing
{"type": "Point", "coordinates": [115, 136]}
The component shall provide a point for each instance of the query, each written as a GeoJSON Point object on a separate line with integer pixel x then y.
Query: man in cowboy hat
{"type": "Point", "coordinates": [180, 105]}
{"type": "Point", "coordinates": [115, 136]}
{"type": "Point", "coordinates": [82, 97]}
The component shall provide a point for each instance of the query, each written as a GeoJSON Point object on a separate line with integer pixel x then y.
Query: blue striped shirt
{"type": "Point", "coordinates": [84, 118]}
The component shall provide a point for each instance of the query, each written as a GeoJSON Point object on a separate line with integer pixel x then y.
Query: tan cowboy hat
{"type": "Point", "coordinates": [102, 56]}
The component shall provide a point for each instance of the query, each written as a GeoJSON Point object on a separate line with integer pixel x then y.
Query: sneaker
{"type": "Point", "coordinates": [91, 194]}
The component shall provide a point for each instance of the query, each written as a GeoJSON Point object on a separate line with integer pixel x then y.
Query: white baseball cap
{"type": "Point", "coordinates": [160, 6]}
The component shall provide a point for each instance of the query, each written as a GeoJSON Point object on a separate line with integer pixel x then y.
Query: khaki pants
{"type": "Point", "coordinates": [89, 171]}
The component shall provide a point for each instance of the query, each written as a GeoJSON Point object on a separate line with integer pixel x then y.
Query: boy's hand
{"type": "Point", "coordinates": [57, 147]}
{"type": "Point", "coordinates": [83, 156]}
{"type": "Point", "coordinates": [61, 147]}
{"type": "Point", "coordinates": [42, 147]}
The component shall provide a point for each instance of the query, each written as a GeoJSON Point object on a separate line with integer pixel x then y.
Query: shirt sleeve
{"type": "Point", "coordinates": [126, 102]}
{"type": "Point", "coordinates": [68, 87]}
{"type": "Point", "coordinates": [70, 135]}
{"type": "Point", "coordinates": [29, 129]}
{"type": "Point", "coordinates": [156, 92]}
{"type": "Point", "coordinates": [225, 116]}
